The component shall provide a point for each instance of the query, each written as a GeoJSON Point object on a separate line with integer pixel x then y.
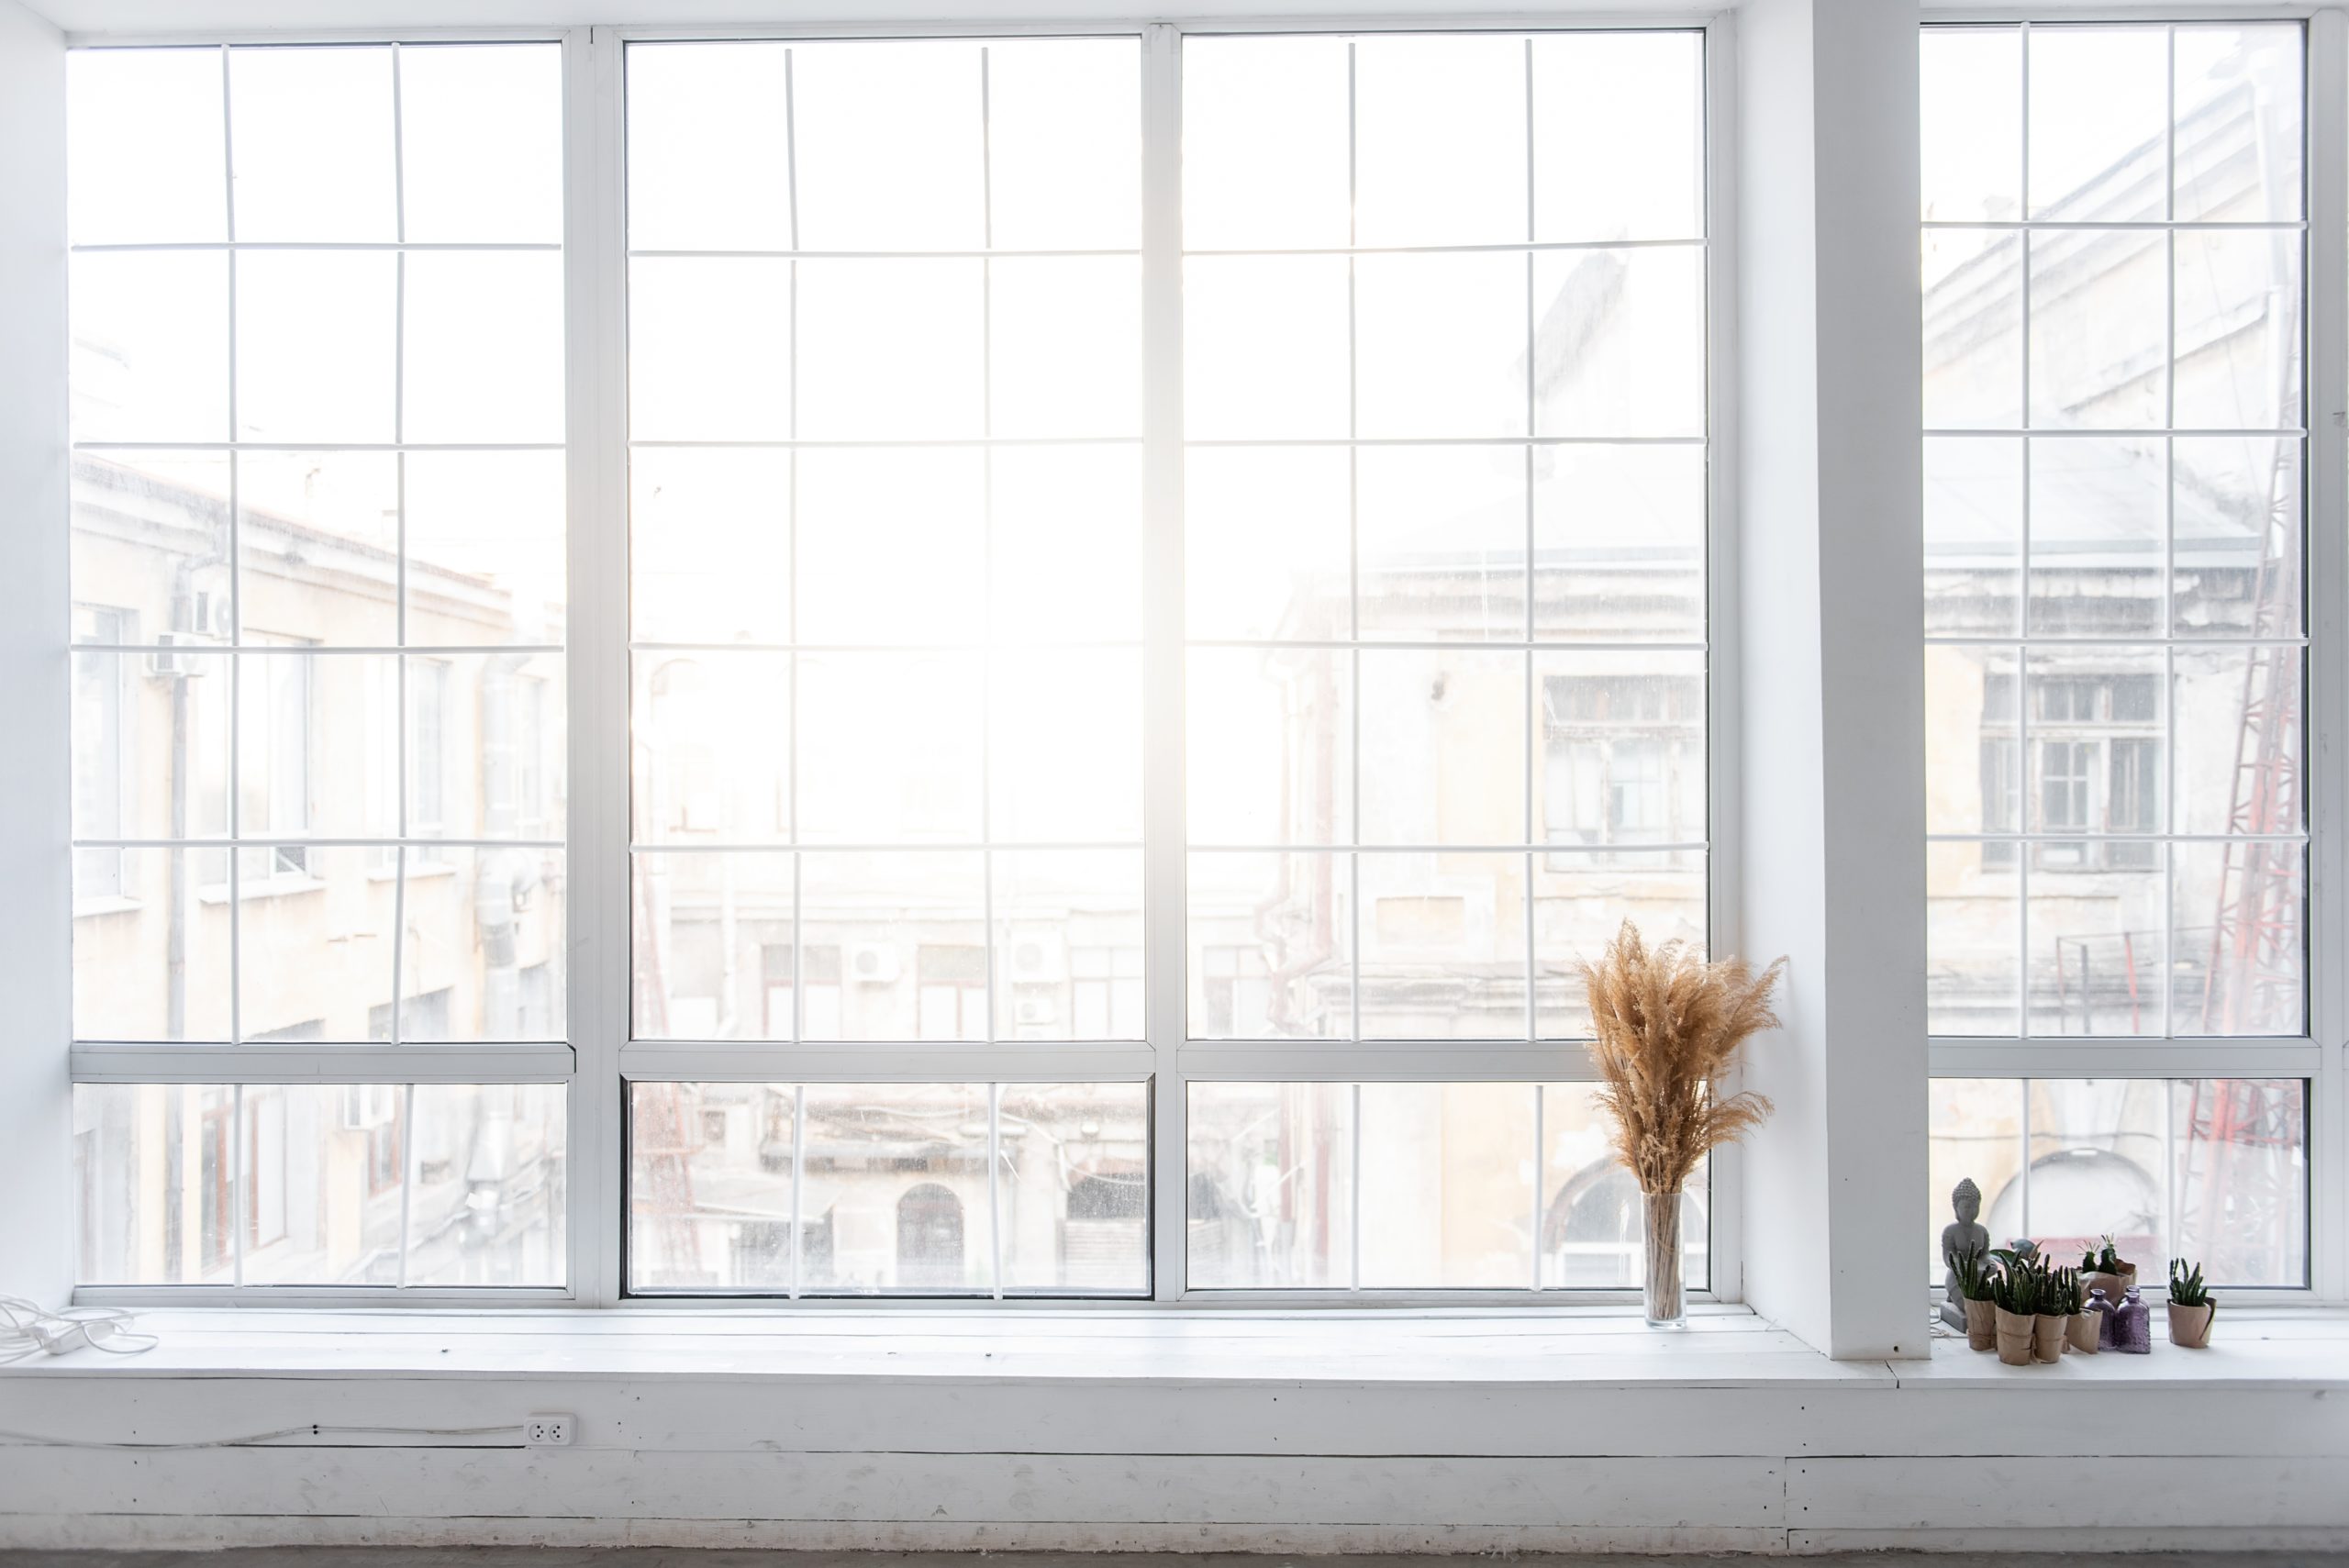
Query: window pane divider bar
{"type": "Point", "coordinates": [105, 1062]}
{"type": "Point", "coordinates": [308, 842]}
{"type": "Point", "coordinates": [1350, 440]}
{"type": "Point", "coordinates": [1445, 848]}
{"type": "Point", "coordinates": [2074, 1056]}
{"type": "Point", "coordinates": [909, 443]}
{"type": "Point", "coordinates": [979, 255]}
{"type": "Point", "coordinates": [327, 650]}
{"type": "Point", "coordinates": [2099, 432]}
{"type": "Point", "coordinates": [1509, 247]}
{"type": "Point", "coordinates": [2041, 641]}
{"type": "Point", "coordinates": [2146, 225]}
{"type": "Point", "coordinates": [318, 446]}
{"type": "Point", "coordinates": [101, 247]}
{"type": "Point", "coordinates": [1276, 644]}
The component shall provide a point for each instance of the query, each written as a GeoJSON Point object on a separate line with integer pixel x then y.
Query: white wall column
{"type": "Point", "coordinates": [1830, 604]}
{"type": "Point", "coordinates": [36, 1100]}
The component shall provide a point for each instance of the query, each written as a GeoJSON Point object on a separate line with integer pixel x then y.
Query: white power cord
{"type": "Point", "coordinates": [264, 1438]}
{"type": "Point", "coordinates": [28, 1329]}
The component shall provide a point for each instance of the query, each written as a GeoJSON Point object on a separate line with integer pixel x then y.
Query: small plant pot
{"type": "Point", "coordinates": [1982, 1325]}
{"type": "Point", "coordinates": [2012, 1336]}
{"type": "Point", "coordinates": [2047, 1331]}
{"type": "Point", "coordinates": [2189, 1327]}
{"type": "Point", "coordinates": [2082, 1330]}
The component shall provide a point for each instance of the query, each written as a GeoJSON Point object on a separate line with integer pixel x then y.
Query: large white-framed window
{"type": "Point", "coordinates": [936, 653]}
{"type": "Point", "coordinates": [318, 416]}
{"type": "Point", "coordinates": [2131, 542]}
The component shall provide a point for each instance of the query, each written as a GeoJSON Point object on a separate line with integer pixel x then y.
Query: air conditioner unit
{"type": "Point", "coordinates": [1036, 960]}
{"type": "Point", "coordinates": [1037, 1010]}
{"type": "Point", "coordinates": [169, 661]}
{"type": "Point", "coordinates": [874, 965]}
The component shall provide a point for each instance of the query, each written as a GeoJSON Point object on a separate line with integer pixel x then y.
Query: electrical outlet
{"type": "Point", "coordinates": [546, 1431]}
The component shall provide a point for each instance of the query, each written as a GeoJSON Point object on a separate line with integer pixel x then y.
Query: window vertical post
{"type": "Point", "coordinates": [1163, 945]}
{"type": "Point", "coordinates": [594, 250]}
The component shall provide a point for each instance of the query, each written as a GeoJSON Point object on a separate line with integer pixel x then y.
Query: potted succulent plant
{"type": "Point", "coordinates": [2105, 1269]}
{"type": "Point", "coordinates": [2082, 1328]}
{"type": "Point", "coordinates": [1977, 1285]}
{"type": "Point", "coordinates": [2015, 1304]}
{"type": "Point", "coordinates": [2192, 1307]}
{"type": "Point", "coordinates": [2051, 1327]}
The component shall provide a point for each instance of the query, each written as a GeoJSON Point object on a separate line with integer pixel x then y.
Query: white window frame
{"type": "Point", "coordinates": [600, 1059]}
{"type": "Point", "coordinates": [2321, 1055]}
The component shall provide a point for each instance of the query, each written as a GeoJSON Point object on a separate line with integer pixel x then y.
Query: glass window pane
{"type": "Point", "coordinates": [709, 349]}
{"type": "Point", "coordinates": [1440, 139]}
{"type": "Point", "coordinates": [1622, 748]}
{"type": "Point", "coordinates": [310, 132]}
{"type": "Point", "coordinates": [1271, 746]}
{"type": "Point", "coordinates": [2240, 963]}
{"type": "Point", "coordinates": [863, 323]}
{"type": "Point", "coordinates": [484, 959]}
{"type": "Point", "coordinates": [1973, 506]}
{"type": "Point", "coordinates": [1972, 939]}
{"type": "Point", "coordinates": [2100, 327]}
{"type": "Point", "coordinates": [1443, 945]}
{"type": "Point", "coordinates": [2238, 329]}
{"type": "Point", "coordinates": [1639, 95]}
{"type": "Point", "coordinates": [151, 746]}
{"type": "Point", "coordinates": [1064, 347]}
{"type": "Point", "coordinates": [1440, 533]}
{"type": "Point", "coordinates": [1619, 545]}
{"type": "Point", "coordinates": [890, 747]}
{"type": "Point", "coordinates": [903, 936]}
{"type": "Point", "coordinates": [1064, 116]}
{"type": "Point", "coordinates": [1440, 345]}
{"type": "Point", "coordinates": [149, 548]}
{"type": "Point", "coordinates": [1593, 1220]}
{"type": "Point", "coordinates": [2096, 537]}
{"type": "Point", "coordinates": [315, 929]}
{"type": "Point", "coordinates": [316, 360]}
{"type": "Point", "coordinates": [2236, 535]}
{"type": "Point", "coordinates": [1271, 940]}
{"type": "Point", "coordinates": [1973, 741]}
{"type": "Point", "coordinates": [154, 1184]}
{"type": "Point", "coordinates": [2238, 763]}
{"type": "Point", "coordinates": [1074, 1181]}
{"type": "Point", "coordinates": [481, 142]}
{"type": "Point", "coordinates": [710, 545]}
{"type": "Point", "coordinates": [2242, 1203]}
{"type": "Point", "coordinates": [709, 147]}
{"type": "Point", "coordinates": [709, 1187]}
{"type": "Point", "coordinates": [317, 544]}
{"type": "Point", "coordinates": [889, 145]}
{"type": "Point", "coordinates": [1581, 898]}
{"type": "Point", "coordinates": [712, 934]}
{"type": "Point", "coordinates": [2098, 757]}
{"type": "Point", "coordinates": [1271, 1186]}
{"type": "Point", "coordinates": [1265, 347]}
{"type": "Point", "coordinates": [487, 540]}
{"type": "Point", "coordinates": [1064, 527]}
{"type": "Point", "coordinates": [1443, 746]}
{"type": "Point", "coordinates": [2100, 108]}
{"type": "Point", "coordinates": [712, 748]}
{"type": "Point", "coordinates": [150, 346]}
{"type": "Point", "coordinates": [323, 1166]}
{"type": "Point", "coordinates": [1448, 1202]}
{"type": "Point", "coordinates": [484, 349]}
{"type": "Point", "coordinates": [1971, 80]}
{"type": "Point", "coordinates": [2094, 938]}
{"type": "Point", "coordinates": [892, 544]}
{"type": "Point", "coordinates": [2238, 136]}
{"type": "Point", "coordinates": [316, 745]}
{"type": "Point", "coordinates": [1267, 538]}
{"type": "Point", "coordinates": [1266, 159]}
{"type": "Point", "coordinates": [489, 1170]}
{"type": "Point", "coordinates": [143, 143]}
{"type": "Point", "coordinates": [893, 1194]}
{"type": "Point", "coordinates": [150, 945]}
{"type": "Point", "coordinates": [1065, 746]}
{"type": "Point", "coordinates": [1973, 306]}
{"type": "Point", "coordinates": [1068, 945]}
{"type": "Point", "coordinates": [1618, 342]}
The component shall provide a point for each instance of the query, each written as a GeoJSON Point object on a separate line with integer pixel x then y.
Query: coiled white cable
{"type": "Point", "coordinates": [28, 1329]}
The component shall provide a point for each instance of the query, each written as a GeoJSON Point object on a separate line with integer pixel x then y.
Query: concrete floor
{"type": "Point", "coordinates": [659, 1557]}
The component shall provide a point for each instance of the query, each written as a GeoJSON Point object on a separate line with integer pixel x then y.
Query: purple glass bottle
{"type": "Point", "coordinates": [2131, 1325]}
{"type": "Point", "coordinates": [2101, 1304]}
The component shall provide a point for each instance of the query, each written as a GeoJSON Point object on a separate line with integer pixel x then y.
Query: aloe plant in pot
{"type": "Point", "coordinates": [1977, 1285]}
{"type": "Point", "coordinates": [2192, 1308]}
{"type": "Point", "coordinates": [2016, 1302]}
{"type": "Point", "coordinates": [2051, 1327]}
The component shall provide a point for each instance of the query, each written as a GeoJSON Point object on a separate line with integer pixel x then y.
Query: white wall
{"type": "Point", "coordinates": [36, 1119]}
{"type": "Point", "coordinates": [1831, 596]}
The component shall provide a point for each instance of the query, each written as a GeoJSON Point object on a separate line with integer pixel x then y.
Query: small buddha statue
{"type": "Point", "coordinates": [1967, 1236]}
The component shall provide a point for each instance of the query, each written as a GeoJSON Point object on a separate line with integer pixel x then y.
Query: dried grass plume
{"type": "Point", "coordinates": [1670, 1025]}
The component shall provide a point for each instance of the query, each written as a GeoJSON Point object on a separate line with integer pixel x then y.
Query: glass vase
{"type": "Point", "coordinates": [1666, 1303]}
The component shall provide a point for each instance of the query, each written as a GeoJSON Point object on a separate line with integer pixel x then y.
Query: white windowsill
{"type": "Point", "coordinates": [1724, 1346]}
